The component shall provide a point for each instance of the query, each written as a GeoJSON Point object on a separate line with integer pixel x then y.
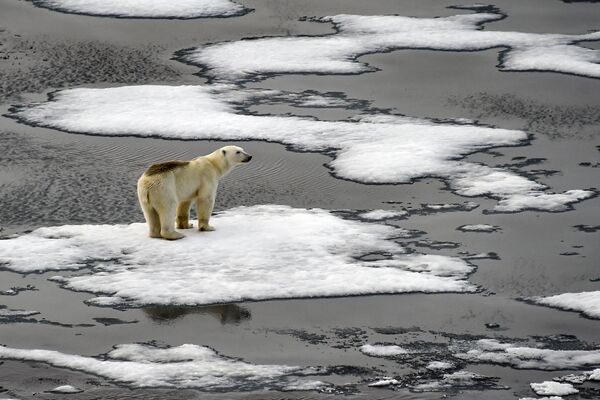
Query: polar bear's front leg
{"type": "Point", "coordinates": [204, 208]}
{"type": "Point", "coordinates": [183, 215]}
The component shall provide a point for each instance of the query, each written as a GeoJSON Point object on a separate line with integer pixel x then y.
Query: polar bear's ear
{"type": "Point", "coordinates": [224, 152]}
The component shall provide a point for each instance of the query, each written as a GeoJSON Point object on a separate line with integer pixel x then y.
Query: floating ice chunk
{"type": "Point", "coordinates": [185, 366]}
{"type": "Point", "coordinates": [478, 228]}
{"type": "Point", "coordinates": [543, 201]}
{"type": "Point", "coordinates": [303, 386]}
{"type": "Point", "coordinates": [587, 303]}
{"type": "Point", "coordinates": [380, 350]}
{"type": "Point", "coordinates": [439, 365]}
{"type": "Point", "coordinates": [549, 388]}
{"type": "Point", "coordinates": [376, 215]}
{"type": "Point", "coordinates": [360, 34]}
{"type": "Point", "coordinates": [458, 380]}
{"type": "Point", "coordinates": [405, 150]}
{"type": "Point", "coordinates": [573, 378]}
{"type": "Point", "coordinates": [256, 253]}
{"type": "Point", "coordinates": [66, 389]}
{"type": "Point", "coordinates": [385, 381]}
{"type": "Point", "coordinates": [8, 313]}
{"type": "Point", "coordinates": [466, 206]}
{"type": "Point", "coordinates": [105, 301]}
{"type": "Point", "coordinates": [542, 398]}
{"type": "Point", "coordinates": [180, 9]}
{"type": "Point", "coordinates": [495, 352]}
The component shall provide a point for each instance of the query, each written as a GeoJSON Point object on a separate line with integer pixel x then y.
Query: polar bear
{"type": "Point", "coordinates": [167, 190]}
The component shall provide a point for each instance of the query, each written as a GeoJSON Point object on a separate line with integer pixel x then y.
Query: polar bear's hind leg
{"type": "Point", "coordinates": [183, 215]}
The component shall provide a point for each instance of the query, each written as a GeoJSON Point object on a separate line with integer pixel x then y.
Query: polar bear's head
{"type": "Point", "coordinates": [235, 155]}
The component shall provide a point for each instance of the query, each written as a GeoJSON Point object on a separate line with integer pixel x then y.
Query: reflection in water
{"type": "Point", "coordinates": [226, 313]}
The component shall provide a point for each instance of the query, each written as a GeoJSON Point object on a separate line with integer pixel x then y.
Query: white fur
{"type": "Point", "coordinates": [167, 196]}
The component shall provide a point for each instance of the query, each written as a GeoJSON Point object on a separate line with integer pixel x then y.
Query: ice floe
{"type": "Point", "coordinates": [180, 9]}
{"type": "Point", "coordinates": [380, 350]}
{"type": "Point", "coordinates": [456, 381]}
{"type": "Point", "coordinates": [356, 35]}
{"type": "Point", "coordinates": [385, 381]}
{"type": "Point", "coordinates": [6, 313]}
{"type": "Point", "coordinates": [66, 389]}
{"type": "Point", "coordinates": [439, 365]}
{"type": "Point", "coordinates": [478, 228]}
{"type": "Point", "coordinates": [549, 388]}
{"type": "Point", "coordinates": [371, 149]}
{"type": "Point", "coordinates": [185, 366]}
{"type": "Point", "coordinates": [377, 215]}
{"type": "Point", "coordinates": [587, 303]}
{"type": "Point", "coordinates": [522, 357]}
{"type": "Point", "coordinates": [256, 253]}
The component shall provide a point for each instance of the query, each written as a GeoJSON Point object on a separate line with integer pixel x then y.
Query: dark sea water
{"type": "Point", "coordinates": [48, 178]}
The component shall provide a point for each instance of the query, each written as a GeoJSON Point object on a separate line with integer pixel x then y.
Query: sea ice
{"type": "Point", "coordinates": [256, 253]}
{"type": "Point", "coordinates": [549, 388]}
{"type": "Point", "coordinates": [439, 365]}
{"type": "Point", "coordinates": [518, 356]}
{"type": "Point", "coordinates": [8, 313]}
{"type": "Point", "coordinates": [180, 9]}
{"type": "Point", "coordinates": [405, 148]}
{"type": "Point", "coordinates": [380, 350]}
{"type": "Point", "coordinates": [587, 303]}
{"type": "Point", "coordinates": [66, 389]}
{"type": "Point", "coordinates": [357, 35]}
{"type": "Point", "coordinates": [385, 381]}
{"type": "Point", "coordinates": [478, 228]}
{"type": "Point", "coordinates": [185, 366]}
{"type": "Point", "coordinates": [377, 215]}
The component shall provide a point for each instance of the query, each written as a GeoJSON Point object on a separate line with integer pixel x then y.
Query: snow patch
{"type": "Point", "coordinates": [256, 253]}
{"type": "Point", "coordinates": [180, 9]}
{"type": "Point", "coordinates": [380, 350]}
{"type": "Point", "coordinates": [404, 149]}
{"type": "Point", "coordinates": [185, 366]}
{"type": "Point", "coordinates": [587, 303]}
{"type": "Point", "coordinates": [360, 34]}
{"type": "Point", "coordinates": [385, 381]}
{"type": "Point", "coordinates": [495, 352]}
{"type": "Point", "coordinates": [478, 228]}
{"type": "Point", "coordinates": [6, 313]}
{"type": "Point", "coordinates": [66, 389]}
{"type": "Point", "coordinates": [377, 215]}
{"type": "Point", "coordinates": [549, 388]}
{"type": "Point", "coordinates": [439, 365]}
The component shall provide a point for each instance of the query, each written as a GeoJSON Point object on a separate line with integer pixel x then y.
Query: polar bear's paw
{"type": "Point", "coordinates": [205, 228]}
{"type": "Point", "coordinates": [184, 224]}
{"type": "Point", "coordinates": [174, 235]}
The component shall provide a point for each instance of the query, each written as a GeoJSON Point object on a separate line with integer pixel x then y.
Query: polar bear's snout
{"type": "Point", "coordinates": [248, 158]}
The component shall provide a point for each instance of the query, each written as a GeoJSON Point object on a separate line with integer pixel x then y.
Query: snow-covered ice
{"type": "Point", "coordinates": [466, 206]}
{"type": "Point", "coordinates": [377, 215]}
{"type": "Point", "coordinates": [439, 365]}
{"type": "Point", "coordinates": [587, 303]}
{"type": "Point", "coordinates": [185, 366]}
{"type": "Point", "coordinates": [478, 228]}
{"type": "Point", "coordinates": [369, 149]}
{"type": "Point", "coordinates": [385, 381]}
{"type": "Point", "coordinates": [356, 35]}
{"type": "Point", "coordinates": [66, 389]}
{"type": "Point", "coordinates": [550, 388]}
{"type": "Point", "coordinates": [522, 357]}
{"type": "Point", "coordinates": [180, 9]}
{"type": "Point", "coordinates": [256, 253]}
{"type": "Point", "coordinates": [8, 313]}
{"type": "Point", "coordinates": [455, 380]}
{"type": "Point", "coordinates": [381, 350]}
